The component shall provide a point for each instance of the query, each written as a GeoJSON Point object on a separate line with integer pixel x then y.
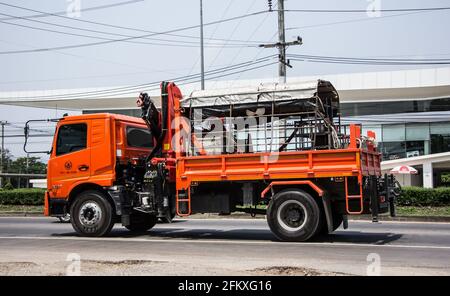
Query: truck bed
{"type": "Point", "coordinates": [284, 165]}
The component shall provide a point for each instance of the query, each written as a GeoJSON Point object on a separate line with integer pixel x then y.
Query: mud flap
{"type": "Point", "coordinates": [328, 212]}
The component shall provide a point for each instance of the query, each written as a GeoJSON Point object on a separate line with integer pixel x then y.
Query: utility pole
{"type": "Point", "coordinates": [282, 41]}
{"type": "Point", "coordinates": [3, 123]}
{"type": "Point", "coordinates": [27, 180]}
{"type": "Point", "coordinates": [281, 44]}
{"type": "Point", "coordinates": [202, 54]}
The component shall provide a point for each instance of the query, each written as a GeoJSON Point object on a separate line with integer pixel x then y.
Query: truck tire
{"type": "Point", "coordinates": [91, 214]}
{"type": "Point", "coordinates": [140, 222]}
{"type": "Point", "coordinates": [293, 215]}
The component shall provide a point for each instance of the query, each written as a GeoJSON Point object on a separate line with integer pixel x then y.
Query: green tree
{"type": "Point", "coordinates": [31, 166]}
{"type": "Point", "coordinates": [21, 165]}
{"type": "Point", "coordinates": [6, 156]}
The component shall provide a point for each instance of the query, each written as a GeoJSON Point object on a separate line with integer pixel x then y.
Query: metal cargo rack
{"type": "Point", "coordinates": [268, 118]}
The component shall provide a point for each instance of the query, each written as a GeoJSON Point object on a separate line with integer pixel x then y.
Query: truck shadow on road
{"type": "Point", "coordinates": [358, 237]}
{"type": "Point", "coordinates": [262, 235]}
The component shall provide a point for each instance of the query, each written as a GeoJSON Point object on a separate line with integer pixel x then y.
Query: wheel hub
{"type": "Point", "coordinates": [90, 213]}
{"type": "Point", "coordinates": [292, 215]}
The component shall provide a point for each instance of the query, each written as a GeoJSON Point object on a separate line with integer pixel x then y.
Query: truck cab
{"type": "Point", "coordinates": [91, 153]}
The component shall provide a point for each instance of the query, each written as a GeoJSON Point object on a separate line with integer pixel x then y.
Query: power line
{"type": "Point", "coordinates": [129, 38]}
{"type": "Point", "coordinates": [372, 59]}
{"type": "Point", "coordinates": [31, 136]}
{"type": "Point", "coordinates": [97, 59]}
{"type": "Point", "coordinates": [232, 33]}
{"type": "Point", "coordinates": [178, 44]}
{"type": "Point", "coordinates": [261, 49]}
{"type": "Point", "coordinates": [150, 33]}
{"type": "Point", "coordinates": [65, 12]}
{"type": "Point", "coordinates": [365, 10]}
{"type": "Point", "coordinates": [61, 15]}
{"type": "Point", "coordinates": [100, 32]}
{"type": "Point", "coordinates": [188, 79]}
{"type": "Point", "coordinates": [367, 61]}
{"type": "Point", "coordinates": [76, 78]}
{"type": "Point", "coordinates": [231, 73]}
{"type": "Point", "coordinates": [128, 89]}
{"type": "Point", "coordinates": [355, 20]}
{"type": "Point", "coordinates": [212, 34]}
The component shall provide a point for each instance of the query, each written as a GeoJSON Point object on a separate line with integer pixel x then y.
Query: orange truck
{"type": "Point", "coordinates": [278, 150]}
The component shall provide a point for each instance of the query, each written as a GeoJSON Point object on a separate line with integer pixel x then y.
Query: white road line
{"type": "Point", "coordinates": [398, 222]}
{"type": "Point", "coordinates": [229, 242]}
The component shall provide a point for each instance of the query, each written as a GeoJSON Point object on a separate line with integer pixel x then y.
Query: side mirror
{"type": "Point", "coordinates": [26, 132]}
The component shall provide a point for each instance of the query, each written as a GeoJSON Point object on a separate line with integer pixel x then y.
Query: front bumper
{"type": "Point", "coordinates": [55, 207]}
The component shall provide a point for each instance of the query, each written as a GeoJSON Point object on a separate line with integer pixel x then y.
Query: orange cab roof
{"type": "Point", "coordinates": [104, 115]}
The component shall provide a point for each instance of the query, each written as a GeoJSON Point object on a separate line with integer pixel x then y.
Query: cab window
{"type": "Point", "coordinates": [139, 137]}
{"type": "Point", "coordinates": [71, 138]}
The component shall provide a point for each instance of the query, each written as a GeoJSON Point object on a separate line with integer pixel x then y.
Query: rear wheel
{"type": "Point", "coordinates": [293, 215]}
{"type": "Point", "coordinates": [141, 222]}
{"type": "Point", "coordinates": [92, 214]}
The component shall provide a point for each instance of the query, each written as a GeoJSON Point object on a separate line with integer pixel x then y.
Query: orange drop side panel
{"type": "Point", "coordinates": [277, 166]}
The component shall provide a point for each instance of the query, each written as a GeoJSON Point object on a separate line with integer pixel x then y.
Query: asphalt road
{"type": "Point", "coordinates": [225, 247]}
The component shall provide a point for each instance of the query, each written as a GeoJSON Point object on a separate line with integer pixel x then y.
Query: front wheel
{"type": "Point", "coordinates": [293, 215]}
{"type": "Point", "coordinates": [92, 214]}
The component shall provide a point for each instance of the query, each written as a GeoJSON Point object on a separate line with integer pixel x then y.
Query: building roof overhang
{"type": "Point", "coordinates": [418, 84]}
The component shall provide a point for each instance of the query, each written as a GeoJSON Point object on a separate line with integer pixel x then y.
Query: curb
{"type": "Point", "coordinates": [403, 218]}
{"type": "Point", "coordinates": [21, 214]}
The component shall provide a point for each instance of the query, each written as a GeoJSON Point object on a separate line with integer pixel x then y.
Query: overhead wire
{"type": "Point", "coordinates": [40, 15]}
{"type": "Point", "coordinates": [127, 89]}
{"type": "Point", "coordinates": [177, 44]}
{"type": "Point", "coordinates": [61, 15]}
{"type": "Point", "coordinates": [366, 10]}
{"type": "Point", "coordinates": [231, 35]}
{"type": "Point", "coordinates": [367, 61]}
{"type": "Point", "coordinates": [130, 38]}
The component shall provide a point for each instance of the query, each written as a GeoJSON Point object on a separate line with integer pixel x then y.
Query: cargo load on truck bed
{"type": "Point", "coordinates": [267, 118]}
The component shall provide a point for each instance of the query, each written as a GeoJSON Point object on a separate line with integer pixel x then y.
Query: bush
{"type": "Point", "coordinates": [8, 186]}
{"type": "Point", "coordinates": [32, 196]}
{"type": "Point", "coordinates": [423, 197]}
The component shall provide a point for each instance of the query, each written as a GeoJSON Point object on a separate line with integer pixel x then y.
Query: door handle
{"type": "Point", "coordinates": [83, 167]}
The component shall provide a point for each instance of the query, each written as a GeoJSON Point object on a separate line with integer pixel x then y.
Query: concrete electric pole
{"type": "Point", "coordinates": [282, 44]}
{"type": "Point", "coordinates": [202, 53]}
{"type": "Point", "coordinates": [3, 123]}
{"type": "Point", "coordinates": [282, 41]}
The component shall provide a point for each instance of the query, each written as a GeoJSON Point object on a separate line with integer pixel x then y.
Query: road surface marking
{"type": "Point", "coordinates": [203, 241]}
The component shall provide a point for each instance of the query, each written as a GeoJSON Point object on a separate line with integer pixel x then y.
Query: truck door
{"type": "Point", "coordinates": [70, 159]}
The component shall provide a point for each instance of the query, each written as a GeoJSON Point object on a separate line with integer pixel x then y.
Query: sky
{"type": "Point", "coordinates": [392, 35]}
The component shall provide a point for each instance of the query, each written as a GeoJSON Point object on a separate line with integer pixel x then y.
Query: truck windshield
{"type": "Point", "coordinates": [139, 137]}
{"type": "Point", "coordinates": [71, 138]}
